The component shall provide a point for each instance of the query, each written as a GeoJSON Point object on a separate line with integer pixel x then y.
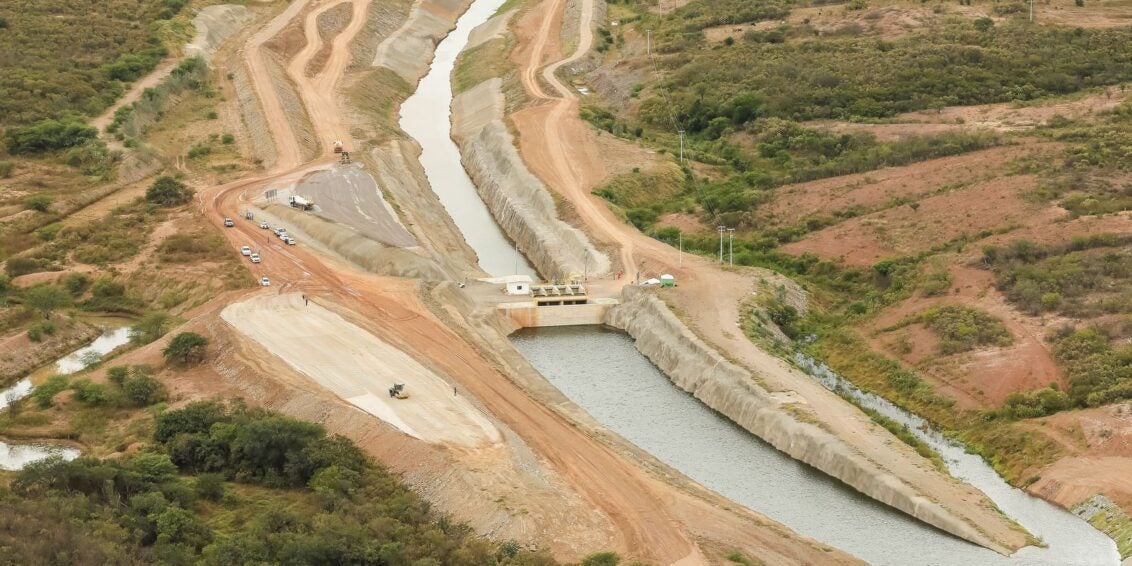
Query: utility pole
{"type": "Point", "coordinates": [721, 230]}
{"type": "Point", "coordinates": [731, 245]}
{"type": "Point", "coordinates": [648, 42]}
{"type": "Point", "coordinates": [681, 146]}
{"type": "Point", "coordinates": [1031, 11]}
{"type": "Point", "coordinates": [680, 255]}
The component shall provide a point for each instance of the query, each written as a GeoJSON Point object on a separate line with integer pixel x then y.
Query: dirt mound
{"type": "Point", "coordinates": [214, 24]}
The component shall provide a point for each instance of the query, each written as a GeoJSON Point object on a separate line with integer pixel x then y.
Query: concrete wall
{"type": "Point", "coordinates": [527, 315]}
{"type": "Point", "coordinates": [698, 369]}
{"type": "Point", "coordinates": [517, 199]}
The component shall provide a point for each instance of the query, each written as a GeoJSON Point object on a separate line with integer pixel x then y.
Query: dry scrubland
{"type": "Point", "coordinates": [948, 181]}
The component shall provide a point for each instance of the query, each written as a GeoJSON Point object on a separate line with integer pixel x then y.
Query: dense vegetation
{"type": "Point", "coordinates": [66, 56]}
{"type": "Point", "coordinates": [961, 329]}
{"type": "Point", "coordinates": [948, 63]}
{"type": "Point", "coordinates": [224, 484]}
{"type": "Point", "coordinates": [1084, 277]}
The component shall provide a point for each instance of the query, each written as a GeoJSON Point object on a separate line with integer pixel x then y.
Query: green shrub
{"type": "Point", "coordinates": [38, 203]}
{"type": "Point", "coordinates": [45, 298]}
{"type": "Point", "coordinates": [167, 191]}
{"type": "Point", "coordinates": [76, 283]}
{"type": "Point", "coordinates": [117, 374]}
{"type": "Point", "coordinates": [228, 139]}
{"type": "Point", "coordinates": [37, 331]}
{"type": "Point", "coordinates": [152, 326]}
{"type": "Point", "coordinates": [186, 348]}
{"type": "Point", "coordinates": [89, 392]}
{"type": "Point", "coordinates": [47, 391]}
{"type": "Point", "coordinates": [17, 266]}
{"type": "Point", "coordinates": [48, 135]}
{"type": "Point", "coordinates": [200, 150]}
{"type": "Point", "coordinates": [140, 390]}
{"type": "Point", "coordinates": [961, 329]}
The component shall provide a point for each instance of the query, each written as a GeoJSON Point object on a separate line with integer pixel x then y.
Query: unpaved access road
{"type": "Point", "coordinates": [360, 368]}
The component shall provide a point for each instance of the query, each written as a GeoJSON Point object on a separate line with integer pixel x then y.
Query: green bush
{"type": "Point", "coordinates": [117, 374]}
{"type": "Point", "coordinates": [47, 391]}
{"type": "Point", "coordinates": [38, 203]}
{"type": "Point", "coordinates": [17, 266]}
{"type": "Point", "coordinates": [48, 135]}
{"type": "Point", "coordinates": [89, 392]}
{"type": "Point", "coordinates": [167, 191]}
{"type": "Point", "coordinates": [152, 326]}
{"type": "Point", "coordinates": [140, 390]}
{"type": "Point", "coordinates": [45, 298]}
{"type": "Point", "coordinates": [37, 331]}
{"type": "Point", "coordinates": [186, 348]}
{"type": "Point", "coordinates": [76, 283]}
{"type": "Point", "coordinates": [228, 139]}
{"type": "Point", "coordinates": [961, 329]}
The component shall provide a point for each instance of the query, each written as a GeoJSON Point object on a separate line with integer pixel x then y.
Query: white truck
{"type": "Point", "coordinates": [297, 201]}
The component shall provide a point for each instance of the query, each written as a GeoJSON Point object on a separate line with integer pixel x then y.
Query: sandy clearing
{"type": "Point", "coordinates": [359, 368]}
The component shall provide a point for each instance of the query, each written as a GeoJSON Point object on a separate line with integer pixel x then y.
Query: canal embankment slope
{"type": "Point", "coordinates": [733, 391]}
{"type": "Point", "coordinates": [517, 199]}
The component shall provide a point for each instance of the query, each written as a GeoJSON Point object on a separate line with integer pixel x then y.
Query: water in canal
{"type": "Point", "coordinates": [601, 371]}
{"type": "Point", "coordinates": [427, 117]}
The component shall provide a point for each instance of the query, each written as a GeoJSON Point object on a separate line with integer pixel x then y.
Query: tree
{"type": "Point", "coordinates": [46, 298]}
{"type": "Point", "coordinates": [141, 390]}
{"type": "Point", "coordinates": [186, 348]}
{"type": "Point", "coordinates": [151, 327]}
{"type": "Point", "coordinates": [167, 191]}
{"type": "Point", "coordinates": [984, 24]}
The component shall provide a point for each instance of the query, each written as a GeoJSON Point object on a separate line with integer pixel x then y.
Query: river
{"type": "Point", "coordinates": [601, 371]}
{"type": "Point", "coordinates": [427, 117]}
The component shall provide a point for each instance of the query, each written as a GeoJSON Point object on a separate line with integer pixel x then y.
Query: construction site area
{"type": "Point", "coordinates": [439, 282]}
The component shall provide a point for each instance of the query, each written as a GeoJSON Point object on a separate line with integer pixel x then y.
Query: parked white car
{"type": "Point", "coordinates": [264, 281]}
{"type": "Point", "coordinates": [255, 258]}
{"type": "Point", "coordinates": [228, 222]}
{"type": "Point", "coordinates": [290, 241]}
{"type": "Point", "coordinates": [246, 250]}
{"type": "Point", "coordinates": [264, 225]}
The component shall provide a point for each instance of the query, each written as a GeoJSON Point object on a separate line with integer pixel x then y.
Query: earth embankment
{"type": "Point", "coordinates": [520, 203]}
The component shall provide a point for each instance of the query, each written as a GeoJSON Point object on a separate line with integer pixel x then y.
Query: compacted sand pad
{"type": "Point", "coordinates": [360, 368]}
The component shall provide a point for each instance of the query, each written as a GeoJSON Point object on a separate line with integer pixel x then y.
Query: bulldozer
{"type": "Point", "coordinates": [398, 391]}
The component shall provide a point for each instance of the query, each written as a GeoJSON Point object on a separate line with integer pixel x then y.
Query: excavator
{"type": "Point", "coordinates": [398, 391]}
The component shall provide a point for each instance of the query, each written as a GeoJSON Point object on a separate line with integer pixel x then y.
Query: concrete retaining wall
{"type": "Point", "coordinates": [527, 315]}
{"type": "Point", "coordinates": [516, 198]}
{"type": "Point", "coordinates": [698, 369]}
